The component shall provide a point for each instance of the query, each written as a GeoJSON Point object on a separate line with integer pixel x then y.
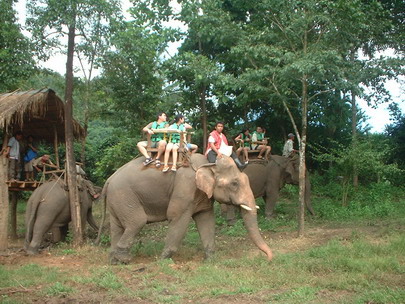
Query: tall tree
{"type": "Point", "coordinates": [50, 22]}
{"type": "Point", "coordinates": [296, 51]}
{"type": "Point", "coordinates": [16, 63]}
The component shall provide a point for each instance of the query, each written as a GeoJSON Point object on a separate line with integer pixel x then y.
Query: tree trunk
{"type": "Point", "coordinates": [354, 138]}
{"type": "Point", "coordinates": [354, 126]}
{"type": "Point", "coordinates": [204, 118]}
{"type": "Point", "coordinates": [13, 215]}
{"type": "Point", "coordinates": [4, 207]}
{"type": "Point", "coordinates": [70, 158]}
{"type": "Point", "coordinates": [302, 148]}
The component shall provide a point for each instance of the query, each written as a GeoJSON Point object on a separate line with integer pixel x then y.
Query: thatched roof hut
{"type": "Point", "coordinates": [36, 112]}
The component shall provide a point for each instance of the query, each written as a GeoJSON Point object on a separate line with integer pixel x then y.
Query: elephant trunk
{"type": "Point", "coordinates": [250, 220]}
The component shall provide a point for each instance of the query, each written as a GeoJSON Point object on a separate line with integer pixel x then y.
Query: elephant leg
{"type": "Point", "coordinates": [178, 225]}
{"type": "Point", "coordinates": [123, 234]}
{"type": "Point", "coordinates": [205, 222]}
{"type": "Point", "coordinates": [56, 234]}
{"type": "Point", "coordinates": [39, 230]}
{"type": "Point", "coordinates": [271, 199]}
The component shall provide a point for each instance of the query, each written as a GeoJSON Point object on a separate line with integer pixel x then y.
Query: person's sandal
{"type": "Point", "coordinates": [260, 157]}
{"type": "Point", "coordinates": [157, 163]}
{"type": "Point", "coordinates": [165, 169]}
{"type": "Point", "coordinates": [174, 169]}
{"type": "Point", "coordinates": [148, 161]}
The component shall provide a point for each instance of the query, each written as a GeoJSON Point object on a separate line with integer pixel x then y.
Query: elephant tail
{"type": "Point", "coordinates": [103, 198]}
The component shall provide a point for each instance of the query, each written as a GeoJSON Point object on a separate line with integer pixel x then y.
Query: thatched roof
{"type": "Point", "coordinates": [37, 113]}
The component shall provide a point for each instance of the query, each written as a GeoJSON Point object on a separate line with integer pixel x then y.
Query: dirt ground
{"type": "Point", "coordinates": [90, 256]}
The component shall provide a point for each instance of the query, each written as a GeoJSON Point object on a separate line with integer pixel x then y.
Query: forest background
{"type": "Point", "coordinates": [288, 66]}
{"type": "Point", "coordinates": [297, 66]}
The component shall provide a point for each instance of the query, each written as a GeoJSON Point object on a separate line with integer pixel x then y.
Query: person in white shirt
{"type": "Point", "coordinates": [13, 154]}
{"type": "Point", "coordinates": [289, 150]}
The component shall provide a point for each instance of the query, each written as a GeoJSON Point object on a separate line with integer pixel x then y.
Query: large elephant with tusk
{"type": "Point", "coordinates": [136, 195]}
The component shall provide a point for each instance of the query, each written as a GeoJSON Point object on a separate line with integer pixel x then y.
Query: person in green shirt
{"type": "Point", "coordinates": [174, 142]}
{"type": "Point", "coordinates": [260, 142]}
{"type": "Point", "coordinates": [158, 139]}
{"type": "Point", "coordinates": [245, 140]}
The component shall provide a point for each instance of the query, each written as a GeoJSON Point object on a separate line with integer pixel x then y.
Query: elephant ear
{"type": "Point", "coordinates": [205, 179]}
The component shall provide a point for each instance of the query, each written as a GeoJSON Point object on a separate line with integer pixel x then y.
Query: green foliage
{"type": "Point", "coordinates": [377, 200]}
{"type": "Point", "coordinates": [16, 63]}
{"type": "Point", "coordinates": [368, 156]}
{"type": "Point", "coordinates": [58, 289]}
{"type": "Point", "coordinates": [113, 157]}
{"type": "Point", "coordinates": [107, 279]}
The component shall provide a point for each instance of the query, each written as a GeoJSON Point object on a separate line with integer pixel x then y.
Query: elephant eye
{"type": "Point", "coordinates": [235, 184]}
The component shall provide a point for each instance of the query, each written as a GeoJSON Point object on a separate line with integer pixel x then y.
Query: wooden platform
{"type": "Point", "coordinates": [23, 185]}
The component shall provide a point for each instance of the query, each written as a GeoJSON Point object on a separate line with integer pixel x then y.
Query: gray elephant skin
{"type": "Point", "coordinates": [48, 208]}
{"type": "Point", "coordinates": [267, 179]}
{"type": "Point", "coordinates": [136, 195]}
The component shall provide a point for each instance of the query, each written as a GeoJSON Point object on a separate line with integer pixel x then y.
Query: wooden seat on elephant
{"type": "Point", "coordinates": [182, 151]}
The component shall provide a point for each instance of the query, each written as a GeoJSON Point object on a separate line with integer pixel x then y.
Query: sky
{"type": "Point", "coordinates": [378, 117]}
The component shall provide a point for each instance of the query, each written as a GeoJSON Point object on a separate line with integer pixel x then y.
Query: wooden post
{"type": "Point", "coordinates": [13, 214]}
{"type": "Point", "coordinates": [4, 207]}
{"type": "Point", "coordinates": [55, 145]}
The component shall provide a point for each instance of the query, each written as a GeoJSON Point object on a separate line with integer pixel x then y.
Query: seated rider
{"type": "Point", "coordinates": [244, 139]}
{"type": "Point", "coordinates": [218, 145]}
{"type": "Point", "coordinates": [260, 143]}
{"type": "Point", "coordinates": [174, 142]}
{"type": "Point", "coordinates": [288, 150]}
{"type": "Point", "coordinates": [158, 139]}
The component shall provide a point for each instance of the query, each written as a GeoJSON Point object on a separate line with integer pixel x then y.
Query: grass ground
{"type": "Point", "coordinates": [355, 260]}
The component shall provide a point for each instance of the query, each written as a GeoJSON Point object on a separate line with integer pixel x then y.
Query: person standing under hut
{"type": "Point", "coordinates": [260, 143]}
{"type": "Point", "coordinates": [158, 139]}
{"type": "Point", "coordinates": [244, 140]}
{"type": "Point", "coordinates": [31, 153]}
{"type": "Point", "coordinates": [13, 153]}
{"type": "Point", "coordinates": [218, 146]}
{"type": "Point", "coordinates": [174, 142]}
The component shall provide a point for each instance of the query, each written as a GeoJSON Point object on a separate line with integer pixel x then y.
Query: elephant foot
{"type": "Point", "coordinates": [166, 254]}
{"type": "Point", "coordinates": [32, 251]}
{"type": "Point", "coordinates": [270, 216]}
{"type": "Point", "coordinates": [209, 255]}
{"type": "Point", "coordinates": [120, 256]}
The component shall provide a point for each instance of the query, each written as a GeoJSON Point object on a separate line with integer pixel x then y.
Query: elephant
{"type": "Point", "coordinates": [48, 208]}
{"type": "Point", "coordinates": [266, 180]}
{"type": "Point", "coordinates": [136, 195]}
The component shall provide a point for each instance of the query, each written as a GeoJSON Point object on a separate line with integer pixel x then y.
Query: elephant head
{"type": "Point", "coordinates": [225, 183]}
{"type": "Point", "coordinates": [291, 171]}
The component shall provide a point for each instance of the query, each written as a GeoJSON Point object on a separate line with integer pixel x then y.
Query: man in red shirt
{"type": "Point", "coordinates": [218, 146]}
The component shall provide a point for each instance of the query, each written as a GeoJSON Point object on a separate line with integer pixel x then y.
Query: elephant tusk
{"type": "Point", "coordinates": [257, 207]}
{"type": "Point", "coordinates": [246, 207]}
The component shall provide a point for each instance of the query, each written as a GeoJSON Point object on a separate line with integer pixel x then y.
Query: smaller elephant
{"type": "Point", "coordinates": [266, 180]}
{"type": "Point", "coordinates": [48, 209]}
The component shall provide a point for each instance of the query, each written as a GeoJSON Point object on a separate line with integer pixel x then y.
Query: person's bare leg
{"type": "Point", "coordinates": [169, 148]}
{"type": "Point", "coordinates": [161, 148]}
{"type": "Point", "coordinates": [268, 150]}
{"type": "Point", "coordinates": [142, 148]}
{"type": "Point", "coordinates": [245, 150]}
{"type": "Point", "coordinates": [175, 148]}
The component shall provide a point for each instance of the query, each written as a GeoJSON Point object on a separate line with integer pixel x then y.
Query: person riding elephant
{"type": "Point", "coordinates": [136, 196]}
{"type": "Point", "coordinates": [48, 208]}
{"type": "Point", "coordinates": [266, 180]}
